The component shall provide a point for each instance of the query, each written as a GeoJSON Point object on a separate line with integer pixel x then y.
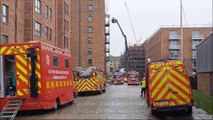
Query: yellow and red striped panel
{"type": "Point", "coordinates": [169, 83]}
{"type": "Point", "coordinates": [23, 67]}
{"type": "Point", "coordinates": [12, 50]}
{"type": "Point", "coordinates": [86, 85]}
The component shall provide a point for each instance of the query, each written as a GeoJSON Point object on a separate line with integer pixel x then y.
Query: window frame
{"type": "Point", "coordinates": [90, 18]}
{"type": "Point", "coordinates": [66, 63]}
{"type": "Point", "coordinates": [66, 42]}
{"type": "Point", "coordinates": [56, 58]}
{"type": "Point", "coordinates": [37, 29]}
{"type": "Point", "coordinates": [38, 6]}
{"type": "Point", "coordinates": [5, 13]}
{"type": "Point", "coordinates": [89, 40]}
{"type": "Point", "coordinates": [90, 51]}
{"type": "Point", "coordinates": [5, 36]}
{"type": "Point", "coordinates": [90, 29]}
{"type": "Point", "coordinates": [90, 8]}
{"type": "Point", "coordinates": [90, 62]}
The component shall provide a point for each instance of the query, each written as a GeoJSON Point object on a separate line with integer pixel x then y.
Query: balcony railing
{"type": "Point", "coordinates": [174, 46]}
{"type": "Point", "coordinates": [174, 37]}
{"type": "Point", "coordinates": [197, 37]}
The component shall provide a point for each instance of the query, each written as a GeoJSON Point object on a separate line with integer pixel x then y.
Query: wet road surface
{"type": "Point", "coordinates": [119, 102]}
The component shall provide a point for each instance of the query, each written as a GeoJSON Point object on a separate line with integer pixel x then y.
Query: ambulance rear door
{"type": "Point", "coordinates": [160, 85]}
{"type": "Point", "coordinates": [179, 85]}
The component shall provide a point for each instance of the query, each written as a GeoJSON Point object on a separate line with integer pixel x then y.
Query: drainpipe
{"type": "Point", "coordinates": [16, 1]}
{"type": "Point", "coordinates": [79, 37]}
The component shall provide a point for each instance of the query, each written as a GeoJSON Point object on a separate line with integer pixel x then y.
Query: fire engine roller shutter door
{"type": "Point", "coordinates": [23, 70]}
{"type": "Point", "coordinates": [179, 85]}
{"type": "Point", "coordinates": [1, 78]}
{"type": "Point", "coordinates": [159, 85]}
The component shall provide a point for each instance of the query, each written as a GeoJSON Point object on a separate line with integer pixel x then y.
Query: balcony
{"type": "Point", "coordinates": [106, 31]}
{"type": "Point", "coordinates": [174, 37]}
{"type": "Point", "coordinates": [107, 20]}
{"type": "Point", "coordinates": [199, 37]}
{"type": "Point", "coordinates": [107, 41]}
{"type": "Point", "coordinates": [107, 50]}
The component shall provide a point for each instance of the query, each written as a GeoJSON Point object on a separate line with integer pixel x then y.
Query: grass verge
{"type": "Point", "coordinates": [203, 101]}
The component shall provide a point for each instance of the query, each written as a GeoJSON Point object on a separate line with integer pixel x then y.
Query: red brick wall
{"type": "Point", "coordinates": [205, 82]}
{"type": "Point", "coordinates": [9, 28]}
{"type": "Point", "coordinates": [157, 46]}
{"type": "Point", "coordinates": [98, 22]}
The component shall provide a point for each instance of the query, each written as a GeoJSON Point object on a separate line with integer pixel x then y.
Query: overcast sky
{"type": "Point", "coordinates": [149, 15]}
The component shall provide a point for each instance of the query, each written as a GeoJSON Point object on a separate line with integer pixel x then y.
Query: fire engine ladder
{"type": "Point", "coordinates": [10, 110]}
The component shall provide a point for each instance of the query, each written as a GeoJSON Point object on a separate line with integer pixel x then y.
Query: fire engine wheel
{"type": "Point", "coordinates": [153, 111]}
{"type": "Point", "coordinates": [57, 104]}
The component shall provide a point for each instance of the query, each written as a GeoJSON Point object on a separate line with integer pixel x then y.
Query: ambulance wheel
{"type": "Point", "coordinates": [189, 110]}
{"type": "Point", "coordinates": [57, 104]}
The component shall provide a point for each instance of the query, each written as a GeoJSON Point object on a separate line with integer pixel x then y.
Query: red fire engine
{"type": "Point", "coordinates": [38, 74]}
{"type": "Point", "coordinates": [133, 78]}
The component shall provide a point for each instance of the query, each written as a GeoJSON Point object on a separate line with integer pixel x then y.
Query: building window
{"type": "Point", "coordinates": [173, 54]}
{"type": "Point", "coordinates": [66, 9]}
{"type": "Point", "coordinates": [89, 40]}
{"type": "Point", "coordinates": [195, 43]}
{"type": "Point", "coordinates": [90, 51]}
{"type": "Point", "coordinates": [66, 63]}
{"type": "Point", "coordinates": [90, 7]}
{"type": "Point", "coordinates": [37, 29]}
{"type": "Point", "coordinates": [4, 39]}
{"type": "Point", "coordinates": [66, 42]}
{"type": "Point", "coordinates": [48, 33]}
{"type": "Point", "coordinates": [5, 11]}
{"type": "Point", "coordinates": [173, 35]}
{"type": "Point", "coordinates": [194, 54]}
{"type": "Point", "coordinates": [89, 29]}
{"type": "Point", "coordinates": [66, 25]}
{"type": "Point", "coordinates": [38, 6]}
{"type": "Point", "coordinates": [55, 61]}
{"type": "Point", "coordinates": [90, 62]}
{"type": "Point", "coordinates": [48, 13]}
{"type": "Point", "coordinates": [196, 35]}
{"type": "Point", "coordinates": [90, 18]}
{"type": "Point", "coordinates": [173, 44]}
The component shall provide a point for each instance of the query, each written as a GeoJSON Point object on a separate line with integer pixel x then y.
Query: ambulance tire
{"type": "Point", "coordinates": [189, 110]}
{"type": "Point", "coordinates": [57, 104]}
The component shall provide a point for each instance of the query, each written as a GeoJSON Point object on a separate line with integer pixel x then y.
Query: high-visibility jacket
{"type": "Point", "coordinates": [143, 84]}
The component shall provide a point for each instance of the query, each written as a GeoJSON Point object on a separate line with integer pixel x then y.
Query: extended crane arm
{"type": "Point", "coordinates": [126, 47]}
{"type": "Point", "coordinates": [116, 21]}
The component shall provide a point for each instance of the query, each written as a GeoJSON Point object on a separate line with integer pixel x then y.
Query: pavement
{"type": "Point", "coordinates": [119, 102]}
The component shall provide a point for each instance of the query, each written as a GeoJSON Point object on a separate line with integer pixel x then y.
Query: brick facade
{"type": "Point", "coordinates": [9, 29]}
{"type": "Point", "coordinates": [205, 82]}
{"type": "Point", "coordinates": [158, 45]}
{"type": "Point", "coordinates": [76, 20]}
{"type": "Point", "coordinates": [80, 29]}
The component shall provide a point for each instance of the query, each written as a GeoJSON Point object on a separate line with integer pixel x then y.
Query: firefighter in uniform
{"type": "Point", "coordinates": [143, 87]}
